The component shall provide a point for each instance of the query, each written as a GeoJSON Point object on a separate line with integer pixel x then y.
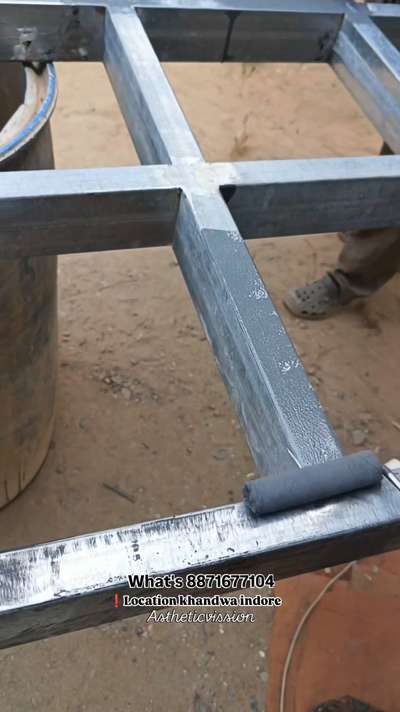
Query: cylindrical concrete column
{"type": "Point", "coordinates": [28, 291]}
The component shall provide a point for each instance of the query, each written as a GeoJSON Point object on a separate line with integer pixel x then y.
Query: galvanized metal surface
{"type": "Point", "coordinates": [369, 65]}
{"type": "Point", "coordinates": [119, 208]}
{"type": "Point", "coordinates": [109, 209]}
{"type": "Point", "coordinates": [193, 205]}
{"type": "Point", "coordinates": [67, 585]}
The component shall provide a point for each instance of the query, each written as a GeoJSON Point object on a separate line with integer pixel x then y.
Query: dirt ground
{"type": "Point", "coordinates": [141, 404]}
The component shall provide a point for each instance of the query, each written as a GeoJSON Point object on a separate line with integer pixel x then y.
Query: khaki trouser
{"type": "Point", "coordinates": [369, 258]}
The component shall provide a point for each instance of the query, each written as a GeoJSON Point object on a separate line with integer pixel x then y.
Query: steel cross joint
{"type": "Point", "coordinates": [206, 211]}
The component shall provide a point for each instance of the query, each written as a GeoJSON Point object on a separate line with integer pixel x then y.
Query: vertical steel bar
{"type": "Point", "coordinates": [153, 116]}
{"type": "Point", "coordinates": [282, 419]}
{"type": "Point", "coordinates": [387, 17]}
{"type": "Point", "coordinates": [369, 66]}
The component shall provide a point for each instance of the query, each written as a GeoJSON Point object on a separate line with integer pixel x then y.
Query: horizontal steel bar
{"type": "Point", "coordinates": [152, 113]}
{"type": "Point", "coordinates": [35, 32]}
{"type": "Point", "coordinates": [119, 208]}
{"type": "Point", "coordinates": [184, 30]}
{"type": "Point", "coordinates": [54, 212]}
{"type": "Point", "coordinates": [288, 6]}
{"type": "Point", "coordinates": [299, 32]}
{"type": "Point", "coordinates": [369, 66]}
{"type": "Point", "coordinates": [306, 7]}
{"type": "Point", "coordinates": [50, 589]}
{"type": "Point", "coordinates": [271, 198]}
{"type": "Point", "coordinates": [255, 30]}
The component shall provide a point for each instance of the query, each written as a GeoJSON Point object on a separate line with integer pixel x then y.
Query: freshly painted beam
{"type": "Point", "coordinates": [67, 585]}
{"type": "Point", "coordinates": [369, 66]}
{"type": "Point", "coordinates": [54, 212]}
{"type": "Point", "coordinates": [282, 419]}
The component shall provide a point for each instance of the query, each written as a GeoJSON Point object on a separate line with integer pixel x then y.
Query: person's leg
{"type": "Point", "coordinates": [369, 258]}
{"type": "Point", "coordinates": [367, 261]}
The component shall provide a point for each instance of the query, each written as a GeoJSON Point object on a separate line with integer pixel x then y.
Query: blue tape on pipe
{"type": "Point", "coordinates": [40, 118]}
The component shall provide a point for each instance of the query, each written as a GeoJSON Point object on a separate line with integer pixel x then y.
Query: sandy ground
{"type": "Point", "coordinates": [141, 404]}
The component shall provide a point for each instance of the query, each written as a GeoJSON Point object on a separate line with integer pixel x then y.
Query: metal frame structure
{"type": "Point", "coordinates": [206, 211]}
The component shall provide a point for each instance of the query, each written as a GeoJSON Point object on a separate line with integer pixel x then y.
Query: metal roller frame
{"type": "Point", "coordinates": [206, 211]}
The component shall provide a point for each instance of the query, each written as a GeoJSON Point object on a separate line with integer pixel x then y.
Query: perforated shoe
{"type": "Point", "coordinates": [317, 300]}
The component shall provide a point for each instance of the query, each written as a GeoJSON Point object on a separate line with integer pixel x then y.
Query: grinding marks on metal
{"type": "Point", "coordinates": [206, 211]}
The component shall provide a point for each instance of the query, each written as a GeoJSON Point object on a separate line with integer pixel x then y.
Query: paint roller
{"type": "Point", "coordinates": [313, 483]}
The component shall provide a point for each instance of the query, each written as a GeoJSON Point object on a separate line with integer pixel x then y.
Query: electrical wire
{"type": "Point", "coordinates": [299, 629]}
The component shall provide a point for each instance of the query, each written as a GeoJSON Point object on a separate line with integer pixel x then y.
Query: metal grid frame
{"type": "Point", "coordinates": [205, 211]}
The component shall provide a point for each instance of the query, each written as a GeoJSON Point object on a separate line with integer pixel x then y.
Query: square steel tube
{"type": "Point", "coordinates": [54, 588]}
{"type": "Point", "coordinates": [124, 208]}
{"type": "Point", "coordinates": [369, 66]}
{"type": "Point", "coordinates": [257, 30]}
{"type": "Point", "coordinates": [185, 30]}
{"type": "Point", "coordinates": [58, 212]}
{"type": "Point", "coordinates": [53, 31]}
{"type": "Point", "coordinates": [282, 419]}
{"type": "Point", "coordinates": [243, 31]}
{"type": "Point", "coordinates": [387, 18]}
{"type": "Point", "coordinates": [153, 116]}
{"type": "Point", "coordinates": [303, 197]}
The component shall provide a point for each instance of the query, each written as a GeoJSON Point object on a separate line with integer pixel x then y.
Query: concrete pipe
{"type": "Point", "coordinates": [28, 290]}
